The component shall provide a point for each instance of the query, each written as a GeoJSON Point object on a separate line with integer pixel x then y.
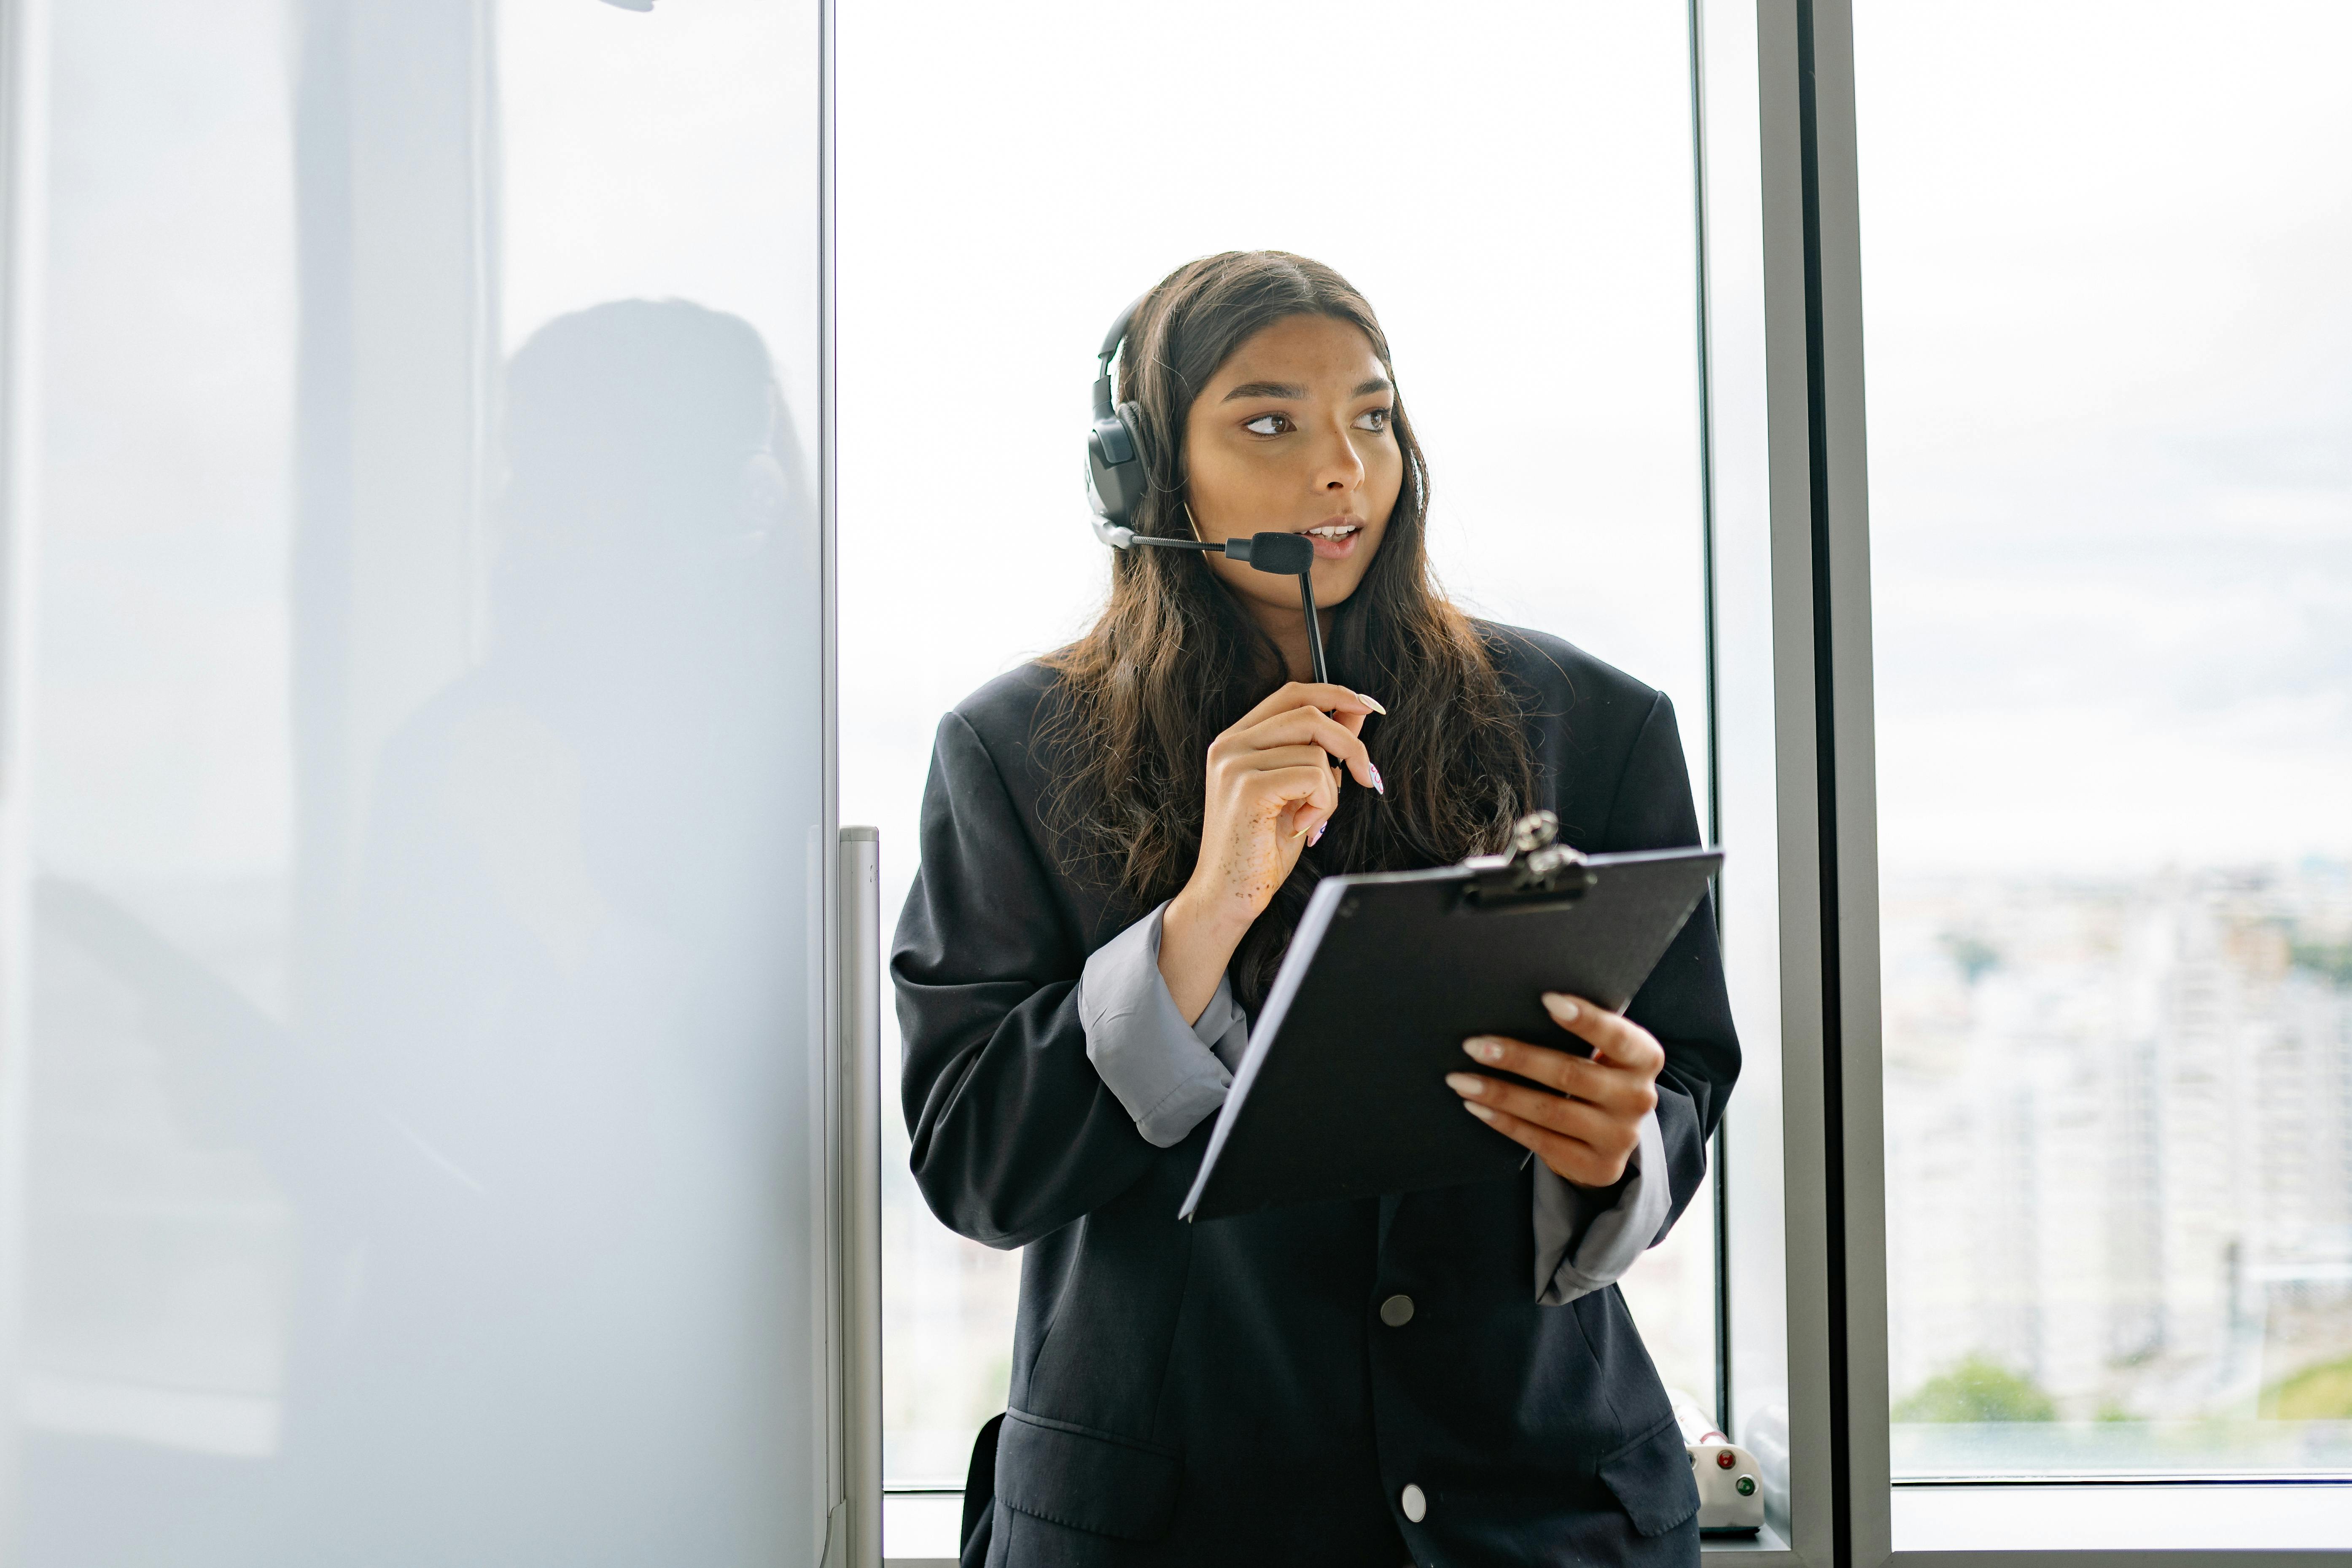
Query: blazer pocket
{"type": "Point", "coordinates": [1651, 1477]}
{"type": "Point", "coordinates": [1087, 1479]}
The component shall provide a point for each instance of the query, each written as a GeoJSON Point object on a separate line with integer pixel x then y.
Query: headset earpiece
{"type": "Point", "coordinates": [1116, 477]}
{"type": "Point", "coordinates": [1117, 470]}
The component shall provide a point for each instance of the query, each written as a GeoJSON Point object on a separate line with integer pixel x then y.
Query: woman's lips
{"type": "Point", "coordinates": [1335, 541]}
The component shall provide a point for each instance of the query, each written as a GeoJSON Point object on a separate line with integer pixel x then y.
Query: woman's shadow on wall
{"type": "Point", "coordinates": [572, 976]}
{"type": "Point", "coordinates": [535, 1150]}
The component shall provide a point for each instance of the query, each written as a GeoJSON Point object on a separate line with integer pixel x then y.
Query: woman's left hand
{"type": "Point", "coordinates": [1587, 1137]}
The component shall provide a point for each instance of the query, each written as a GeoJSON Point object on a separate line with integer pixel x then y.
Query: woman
{"type": "Point", "coordinates": [1117, 842]}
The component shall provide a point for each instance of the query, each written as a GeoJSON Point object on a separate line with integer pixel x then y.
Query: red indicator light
{"type": "Point", "coordinates": [1723, 1460]}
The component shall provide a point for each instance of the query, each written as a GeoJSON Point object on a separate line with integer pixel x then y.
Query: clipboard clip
{"type": "Point", "coordinates": [1539, 871]}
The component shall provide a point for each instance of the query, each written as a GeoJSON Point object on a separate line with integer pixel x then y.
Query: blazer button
{"type": "Point", "coordinates": [1397, 1311]}
{"type": "Point", "coordinates": [1416, 1507]}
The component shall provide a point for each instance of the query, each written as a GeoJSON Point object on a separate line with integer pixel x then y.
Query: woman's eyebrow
{"type": "Point", "coordinates": [1266, 389]}
{"type": "Point", "coordinates": [1292, 389]}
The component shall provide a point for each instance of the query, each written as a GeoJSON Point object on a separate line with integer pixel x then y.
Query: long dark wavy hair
{"type": "Point", "coordinates": [1175, 659]}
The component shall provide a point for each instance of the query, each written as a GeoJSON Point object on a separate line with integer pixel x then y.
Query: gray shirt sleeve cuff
{"type": "Point", "coordinates": [1169, 1075]}
{"type": "Point", "coordinates": [1568, 1266]}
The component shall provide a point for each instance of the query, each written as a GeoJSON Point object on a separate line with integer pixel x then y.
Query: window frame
{"type": "Point", "coordinates": [1825, 779]}
{"type": "Point", "coordinates": [1841, 1486]}
{"type": "Point", "coordinates": [1757, 238]}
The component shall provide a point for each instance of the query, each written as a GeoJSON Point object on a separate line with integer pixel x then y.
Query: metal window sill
{"type": "Point", "coordinates": [1932, 1521]}
{"type": "Point", "coordinates": [919, 1530]}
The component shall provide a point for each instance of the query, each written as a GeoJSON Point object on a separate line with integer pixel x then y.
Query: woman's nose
{"type": "Point", "coordinates": [1339, 467]}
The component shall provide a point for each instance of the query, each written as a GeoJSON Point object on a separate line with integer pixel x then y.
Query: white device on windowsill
{"type": "Point", "coordinates": [1730, 1485]}
{"type": "Point", "coordinates": [1730, 1491]}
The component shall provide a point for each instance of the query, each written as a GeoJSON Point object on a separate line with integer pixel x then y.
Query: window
{"type": "Point", "coordinates": [2111, 521]}
{"type": "Point", "coordinates": [1512, 189]}
{"type": "Point", "coordinates": [2108, 515]}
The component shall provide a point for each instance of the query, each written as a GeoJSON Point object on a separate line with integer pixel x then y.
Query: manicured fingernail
{"type": "Point", "coordinates": [1298, 836]}
{"type": "Point", "coordinates": [1463, 1083]}
{"type": "Point", "coordinates": [1319, 835]}
{"type": "Point", "coordinates": [1371, 704]}
{"type": "Point", "coordinates": [1478, 1111]}
{"type": "Point", "coordinates": [1377, 786]}
{"type": "Point", "coordinates": [1564, 1007]}
{"type": "Point", "coordinates": [1485, 1050]}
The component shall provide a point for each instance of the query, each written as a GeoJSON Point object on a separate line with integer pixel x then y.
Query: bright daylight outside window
{"type": "Point", "coordinates": [2111, 481]}
{"type": "Point", "coordinates": [1511, 187]}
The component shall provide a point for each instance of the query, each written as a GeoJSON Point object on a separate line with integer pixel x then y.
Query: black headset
{"type": "Point", "coordinates": [1118, 478]}
{"type": "Point", "coordinates": [1117, 475]}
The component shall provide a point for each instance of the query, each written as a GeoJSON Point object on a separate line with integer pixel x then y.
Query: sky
{"type": "Point", "coordinates": [2109, 361]}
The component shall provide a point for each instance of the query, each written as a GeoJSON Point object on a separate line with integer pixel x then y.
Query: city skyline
{"type": "Point", "coordinates": [2120, 1135]}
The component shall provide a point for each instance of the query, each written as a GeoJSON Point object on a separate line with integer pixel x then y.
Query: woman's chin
{"type": "Point", "coordinates": [1337, 583]}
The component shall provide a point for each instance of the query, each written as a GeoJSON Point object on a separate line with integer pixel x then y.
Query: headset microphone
{"type": "Point", "coordinates": [1118, 476]}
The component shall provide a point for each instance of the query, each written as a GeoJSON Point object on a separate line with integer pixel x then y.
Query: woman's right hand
{"type": "Point", "coordinates": [1271, 790]}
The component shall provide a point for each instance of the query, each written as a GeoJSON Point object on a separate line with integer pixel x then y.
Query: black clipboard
{"type": "Point", "coordinates": [1343, 1092]}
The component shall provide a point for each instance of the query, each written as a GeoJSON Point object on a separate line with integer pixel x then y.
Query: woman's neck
{"type": "Point", "coordinates": [1287, 627]}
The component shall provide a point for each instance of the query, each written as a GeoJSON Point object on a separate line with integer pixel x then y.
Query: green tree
{"type": "Point", "coordinates": [2322, 1392]}
{"type": "Point", "coordinates": [1978, 1389]}
{"type": "Point", "coordinates": [2332, 961]}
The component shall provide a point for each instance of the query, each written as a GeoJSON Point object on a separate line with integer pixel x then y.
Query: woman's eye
{"type": "Point", "coordinates": [1373, 419]}
{"type": "Point", "coordinates": [1266, 425]}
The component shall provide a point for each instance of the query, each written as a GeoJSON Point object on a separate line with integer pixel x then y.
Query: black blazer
{"type": "Point", "coordinates": [1227, 1391]}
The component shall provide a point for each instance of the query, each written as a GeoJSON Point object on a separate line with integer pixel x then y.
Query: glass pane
{"type": "Point", "coordinates": [1518, 209]}
{"type": "Point", "coordinates": [2111, 454]}
{"type": "Point", "coordinates": [411, 1129]}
